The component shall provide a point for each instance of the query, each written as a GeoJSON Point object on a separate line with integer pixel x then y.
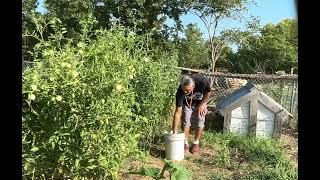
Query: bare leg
{"type": "Point", "coordinates": [197, 134]}
{"type": "Point", "coordinates": [186, 132]}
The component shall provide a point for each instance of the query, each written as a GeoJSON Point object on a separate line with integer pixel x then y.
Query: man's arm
{"type": "Point", "coordinates": [205, 98]}
{"type": "Point", "coordinates": [176, 119]}
{"type": "Point", "coordinates": [201, 108]}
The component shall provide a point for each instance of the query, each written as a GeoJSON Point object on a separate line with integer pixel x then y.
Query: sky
{"type": "Point", "coordinates": [40, 7]}
{"type": "Point", "coordinates": [268, 11]}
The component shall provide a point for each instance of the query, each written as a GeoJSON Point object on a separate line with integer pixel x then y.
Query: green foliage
{"type": "Point", "coordinates": [225, 58]}
{"type": "Point", "coordinates": [151, 172]}
{"type": "Point", "coordinates": [226, 9]}
{"type": "Point", "coordinates": [271, 173]}
{"type": "Point", "coordinates": [28, 9]}
{"type": "Point", "coordinates": [274, 48]}
{"type": "Point", "coordinates": [86, 107]}
{"type": "Point", "coordinates": [29, 13]}
{"type": "Point", "coordinates": [266, 157]}
{"type": "Point", "coordinates": [177, 172]}
{"type": "Point", "coordinates": [140, 15]}
{"type": "Point", "coordinates": [266, 154]}
{"type": "Point", "coordinates": [274, 90]}
{"type": "Point", "coordinates": [70, 13]}
{"type": "Point", "coordinates": [214, 176]}
{"type": "Point", "coordinates": [258, 150]}
{"type": "Point", "coordinates": [193, 50]}
{"type": "Point", "coordinates": [211, 13]}
{"type": "Point", "coordinates": [285, 94]}
{"type": "Point", "coordinates": [154, 89]}
{"type": "Point", "coordinates": [220, 143]}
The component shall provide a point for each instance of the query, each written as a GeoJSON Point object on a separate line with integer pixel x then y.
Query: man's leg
{"type": "Point", "coordinates": [186, 134]}
{"type": "Point", "coordinates": [198, 132]}
{"type": "Point", "coordinates": [186, 115]}
{"type": "Point", "coordinates": [201, 121]}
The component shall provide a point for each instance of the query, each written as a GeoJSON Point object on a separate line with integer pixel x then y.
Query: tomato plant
{"type": "Point", "coordinates": [87, 105]}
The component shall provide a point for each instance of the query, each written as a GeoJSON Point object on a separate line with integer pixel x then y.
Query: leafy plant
{"type": "Point", "coordinates": [250, 157]}
{"type": "Point", "coordinates": [193, 50]}
{"type": "Point", "coordinates": [274, 47]}
{"type": "Point", "coordinates": [176, 172]}
{"type": "Point", "coordinates": [87, 105]}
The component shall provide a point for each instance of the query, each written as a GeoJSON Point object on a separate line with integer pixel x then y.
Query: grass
{"type": "Point", "coordinates": [229, 156]}
{"type": "Point", "coordinates": [266, 157]}
{"type": "Point", "coordinates": [214, 176]}
{"type": "Point", "coordinates": [258, 150]}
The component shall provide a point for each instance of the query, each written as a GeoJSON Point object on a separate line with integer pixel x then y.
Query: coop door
{"type": "Point", "coordinates": [239, 119]}
{"type": "Point", "coordinates": [265, 121]}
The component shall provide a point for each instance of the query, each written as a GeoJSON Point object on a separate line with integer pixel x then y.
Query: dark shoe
{"type": "Point", "coordinates": [186, 147]}
{"type": "Point", "coordinates": [195, 148]}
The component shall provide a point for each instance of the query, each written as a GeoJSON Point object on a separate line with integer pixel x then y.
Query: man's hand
{"type": "Point", "coordinates": [176, 119]}
{"type": "Point", "coordinates": [201, 107]}
{"type": "Point", "coordinates": [201, 110]}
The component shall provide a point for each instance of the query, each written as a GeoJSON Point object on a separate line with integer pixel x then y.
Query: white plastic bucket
{"type": "Point", "coordinates": [175, 146]}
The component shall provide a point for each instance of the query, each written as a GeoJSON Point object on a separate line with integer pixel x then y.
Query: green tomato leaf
{"type": "Point", "coordinates": [92, 167]}
{"type": "Point", "coordinates": [34, 149]}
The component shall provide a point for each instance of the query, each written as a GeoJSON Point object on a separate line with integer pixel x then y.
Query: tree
{"type": "Point", "coordinates": [70, 13]}
{"type": "Point", "coordinates": [280, 45]}
{"type": "Point", "coordinates": [275, 48]}
{"type": "Point", "coordinates": [28, 14]}
{"type": "Point", "coordinates": [142, 16]}
{"type": "Point", "coordinates": [211, 13]}
{"type": "Point", "coordinates": [226, 59]}
{"type": "Point", "coordinates": [28, 8]}
{"type": "Point", "coordinates": [193, 52]}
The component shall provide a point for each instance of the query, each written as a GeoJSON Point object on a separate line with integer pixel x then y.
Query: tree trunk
{"type": "Point", "coordinates": [213, 63]}
{"type": "Point", "coordinates": [213, 58]}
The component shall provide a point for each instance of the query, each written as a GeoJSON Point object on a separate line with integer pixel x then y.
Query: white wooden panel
{"type": "Point", "coordinates": [265, 125]}
{"type": "Point", "coordinates": [264, 133]}
{"type": "Point", "coordinates": [265, 121]}
{"type": "Point", "coordinates": [241, 112]}
{"type": "Point", "coordinates": [243, 130]}
{"type": "Point", "coordinates": [234, 130]}
{"type": "Point", "coordinates": [264, 113]}
{"type": "Point", "coordinates": [239, 130]}
{"type": "Point", "coordinates": [239, 123]}
{"type": "Point", "coordinates": [260, 133]}
{"type": "Point", "coordinates": [240, 119]}
{"type": "Point", "coordinates": [268, 133]}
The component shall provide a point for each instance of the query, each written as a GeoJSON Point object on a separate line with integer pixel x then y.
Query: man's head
{"type": "Point", "coordinates": [187, 84]}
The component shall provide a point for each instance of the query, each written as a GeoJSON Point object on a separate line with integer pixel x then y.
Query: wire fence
{"type": "Point", "coordinates": [282, 88]}
{"type": "Point", "coordinates": [27, 64]}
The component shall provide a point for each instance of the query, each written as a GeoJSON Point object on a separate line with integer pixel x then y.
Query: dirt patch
{"type": "Point", "coordinates": [135, 165]}
{"type": "Point", "coordinates": [204, 165]}
{"type": "Point", "coordinates": [201, 165]}
{"type": "Point", "coordinates": [289, 141]}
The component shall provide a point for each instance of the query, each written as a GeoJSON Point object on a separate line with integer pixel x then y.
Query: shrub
{"type": "Point", "coordinates": [86, 107]}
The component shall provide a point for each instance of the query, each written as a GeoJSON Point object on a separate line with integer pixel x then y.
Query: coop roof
{"type": "Point", "coordinates": [230, 99]}
{"type": "Point", "coordinates": [244, 93]}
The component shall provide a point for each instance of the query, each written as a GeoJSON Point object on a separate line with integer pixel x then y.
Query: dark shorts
{"type": "Point", "coordinates": [190, 117]}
